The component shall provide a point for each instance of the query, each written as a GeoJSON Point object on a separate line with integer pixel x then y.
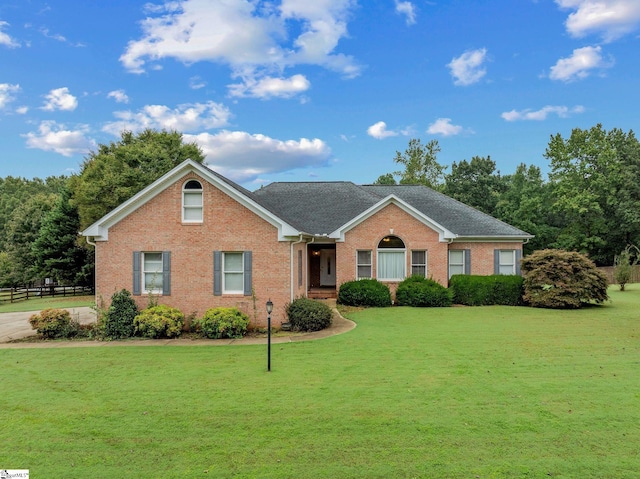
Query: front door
{"type": "Point", "coordinates": [327, 267]}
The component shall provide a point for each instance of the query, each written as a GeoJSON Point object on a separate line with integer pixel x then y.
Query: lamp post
{"type": "Point", "coordinates": [269, 309]}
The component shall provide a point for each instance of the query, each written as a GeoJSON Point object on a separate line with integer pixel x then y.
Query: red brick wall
{"type": "Point", "coordinates": [227, 226]}
{"type": "Point", "coordinates": [482, 254]}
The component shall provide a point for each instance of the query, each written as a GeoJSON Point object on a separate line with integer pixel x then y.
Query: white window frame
{"type": "Point", "coordinates": [383, 251]}
{"type": "Point", "coordinates": [158, 273]}
{"type": "Point", "coordinates": [459, 264]}
{"type": "Point", "coordinates": [510, 264]}
{"type": "Point", "coordinates": [193, 192]}
{"type": "Point", "coordinates": [364, 265]}
{"type": "Point", "coordinates": [419, 265]}
{"type": "Point", "coordinates": [226, 272]}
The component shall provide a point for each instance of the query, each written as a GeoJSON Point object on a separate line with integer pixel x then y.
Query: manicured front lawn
{"type": "Point", "coordinates": [48, 302]}
{"type": "Point", "coordinates": [487, 392]}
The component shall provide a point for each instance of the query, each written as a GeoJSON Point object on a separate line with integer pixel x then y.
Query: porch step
{"type": "Point", "coordinates": [322, 293]}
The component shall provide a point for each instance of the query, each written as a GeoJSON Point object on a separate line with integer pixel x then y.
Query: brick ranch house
{"type": "Point", "coordinates": [197, 240]}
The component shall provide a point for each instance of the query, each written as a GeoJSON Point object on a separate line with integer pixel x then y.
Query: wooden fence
{"type": "Point", "coordinates": [635, 274]}
{"type": "Point", "coordinates": [13, 295]}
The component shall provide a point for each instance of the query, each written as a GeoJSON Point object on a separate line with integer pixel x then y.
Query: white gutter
{"type": "Point", "coordinates": [291, 266]}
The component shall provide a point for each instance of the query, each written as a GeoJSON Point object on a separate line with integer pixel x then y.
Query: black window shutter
{"type": "Point", "coordinates": [496, 261]}
{"type": "Point", "coordinates": [518, 259]}
{"type": "Point", "coordinates": [247, 273]}
{"type": "Point", "coordinates": [217, 273]}
{"type": "Point", "coordinates": [166, 273]}
{"type": "Point", "coordinates": [467, 261]}
{"type": "Point", "coordinates": [137, 273]}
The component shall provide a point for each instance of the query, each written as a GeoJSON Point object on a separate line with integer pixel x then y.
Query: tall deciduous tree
{"type": "Point", "coordinates": [596, 177]}
{"type": "Point", "coordinates": [476, 183]}
{"type": "Point", "coordinates": [420, 164]}
{"type": "Point", "coordinates": [119, 170]}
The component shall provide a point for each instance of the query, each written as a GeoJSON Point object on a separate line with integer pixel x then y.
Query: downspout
{"type": "Point", "coordinates": [291, 266]}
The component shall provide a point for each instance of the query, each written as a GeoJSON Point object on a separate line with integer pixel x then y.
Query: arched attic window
{"type": "Point", "coordinates": [392, 259]}
{"type": "Point", "coordinates": [192, 202]}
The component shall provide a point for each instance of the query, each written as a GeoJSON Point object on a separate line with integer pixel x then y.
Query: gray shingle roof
{"type": "Point", "coordinates": [323, 207]}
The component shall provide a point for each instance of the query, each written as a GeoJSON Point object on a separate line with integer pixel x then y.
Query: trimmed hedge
{"type": "Point", "coordinates": [473, 290]}
{"type": "Point", "coordinates": [308, 315]}
{"type": "Point", "coordinates": [364, 292]}
{"type": "Point", "coordinates": [223, 323]}
{"type": "Point", "coordinates": [422, 292]}
{"type": "Point", "coordinates": [119, 318]}
{"type": "Point", "coordinates": [159, 322]}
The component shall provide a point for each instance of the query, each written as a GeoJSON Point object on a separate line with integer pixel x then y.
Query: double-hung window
{"type": "Point", "coordinates": [363, 264]}
{"type": "Point", "coordinates": [232, 273]}
{"type": "Point", "coordinates": [152, 272]}
{"type": "Point", "coordinates": [419, 263]}
{"type": "Point", "coordinates": [506, 261]}
{"type": "Point", "coordinates": [391, 259]}
{"type": "Point", "coordinates": [192, 202]}
{"type": "Point", "coordinates": [456, 262]}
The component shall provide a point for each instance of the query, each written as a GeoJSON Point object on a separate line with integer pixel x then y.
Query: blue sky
{"type": "Point", "coordinates": [301, 90]}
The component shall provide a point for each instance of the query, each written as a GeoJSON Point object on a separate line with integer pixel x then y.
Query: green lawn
{"type": "Point", "coordinates": [48, 302]}
{"type": "Point", "coordinates": [487, 392]}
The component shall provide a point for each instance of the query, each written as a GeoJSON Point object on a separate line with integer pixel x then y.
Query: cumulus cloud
{"type": "Point", "coordinates": [610, 18]}
{"type": "Point", "coordinates": [243, 157]}
{"type": "Point", "coordinates": [579, 64]}
{"type": "Point", "coordinates": [408, 10]}
{"type": "Point", "coordinates": [468, 69]}
{"type": "Point", "coordinates": [5, 39]}
{"type": "Point", "coordinates": [60, 99]}
{"type": "Point", "coordinates": [186, 117]}
{"type": "Point", "coordinates": [119, 96]}
{"type": "Point", "coordinates": [7, 93]}
{"type": "Point", "coordinates": [542, 113]}
{"type": "Point", "coordinates": [255, 39]}
{"type": "Point", "coordinates": [52, 136]}
{"type": "Point", "coordinates": [269, 87]}
{"type": "Point", "coordinates": [443, 126]}
{"type": "Point", "coordinates": [379, 131]}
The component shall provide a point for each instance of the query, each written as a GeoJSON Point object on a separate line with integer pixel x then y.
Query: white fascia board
{"type": "Point", "coordinates": [100, 229]}
{"type": "Point", "coordinates": [494, 239]}
{"type": "Point", "coordinates": [444, 234]}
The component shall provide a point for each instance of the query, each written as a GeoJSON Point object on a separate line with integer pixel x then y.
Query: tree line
{"type": "Point", "coordinates": [589, 203]}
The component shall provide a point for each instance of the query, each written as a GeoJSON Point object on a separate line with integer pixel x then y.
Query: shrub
{"type": "Point", "coordinates": [308, 315]}
{"type": "Point", "coordinates": [623, 264]}
{"type": "Point", "coordinates": [474, 290]}
{"type": "Point", "coordinates": [364, 292]}
{"type": "Point", "coordinates": [562, 279]}
{"type": "Point", "coordinates": [159, 322]}
{"type": "Point", "coordinates": [422, 292]}
{"type": "Point", "coordinates": [119, 318]}
{"type": "Point", "coordinates": [54, 323]}
{"type": "Point", "coordinates": [223, 323]}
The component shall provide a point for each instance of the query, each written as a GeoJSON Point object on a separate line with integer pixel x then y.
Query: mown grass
{"type": "Point", "coordinates": [486, 392]}
{"type": "Point", "coordinates": [38, 304]}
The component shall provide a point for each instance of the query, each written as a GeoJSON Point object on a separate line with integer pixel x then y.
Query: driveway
{"type": "Point", "coordinates": [16, 325]}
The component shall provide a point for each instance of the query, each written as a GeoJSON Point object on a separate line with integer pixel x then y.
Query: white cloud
{"type": "Point", "coordinates": [22, 110]}
{"type": "Point", "coordinates": [243, 157]}
{"type": "Point", "coordinates": [60, 99]}
{"type": "Point", "coordinates": [610, 18]}
{"type": "Point", "coordinates": [5, 39]}
{"type": "Point", "coordinates": [407, 9]}
{"type": "Point", "coordinates": [253, 38]}
{"type": "Point", "coordinates": [119, 96]}
{"type": "Point", "coordinates": [578, 65]}
{"type": "Point", "coordinates": [379, 131]}
{"type": "Point", "coordinates": [7, 93]}
{"type": "Point", "coordinates": [186, 117]}
{"type": "Point", "coordinates": [195, 83]}
{"type": "Point", "coordinates": [443, 126]}
{"type": "Point", "coordinates": [542, 113]}
{"type": "Point", "coordinates": [268, 87]}
{"type": "Point", "coordinates": [52, 136]}
{"type": "Point", "coordinates": [467, 69]}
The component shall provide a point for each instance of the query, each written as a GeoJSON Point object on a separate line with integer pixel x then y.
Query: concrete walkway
{"type": "Point", "coordinates": [16, 326]}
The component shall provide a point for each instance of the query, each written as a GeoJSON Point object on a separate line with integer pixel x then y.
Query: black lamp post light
{"type": "Point", "coordinates": [269, 309]}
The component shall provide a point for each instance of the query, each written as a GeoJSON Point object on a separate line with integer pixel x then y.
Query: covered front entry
{"type": "Point", "coordinates": [322, 271]}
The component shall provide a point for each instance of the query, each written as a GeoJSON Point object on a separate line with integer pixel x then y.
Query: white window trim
{"type": "Point", "coordinates": [457, 264]}
{"type": "Point", "coordinates": [224, 273]}
{"type": "Point", "coordinates": [370, 264]}
{"type": "Point", "coordinates": [193, 207]}
{"type": "Point", "coordinates": [158, 273]}
{"type": "Point", "coordinates": [391, 250]}
{"type": "Point", "coordinates": [512, 264]}
{"type": "Point", "coordinates": [426, 261]}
